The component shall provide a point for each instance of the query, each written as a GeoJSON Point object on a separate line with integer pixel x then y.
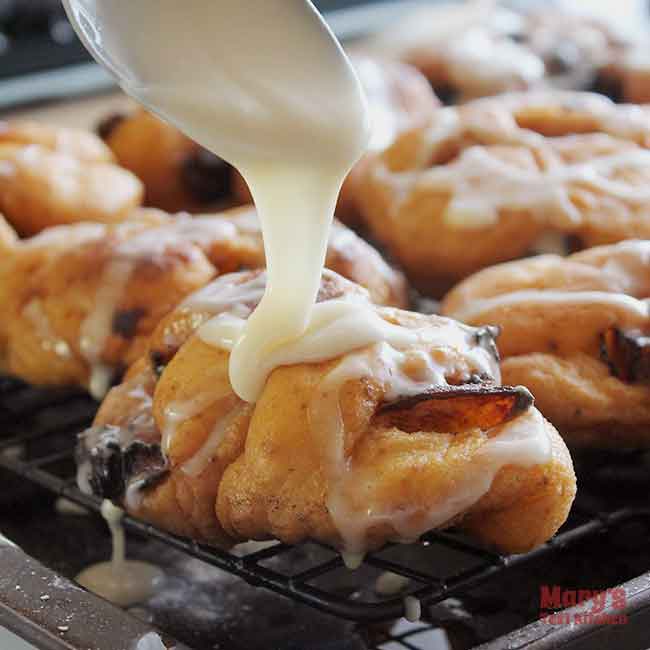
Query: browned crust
{"type": "Point", "coordinates": [455, 408]}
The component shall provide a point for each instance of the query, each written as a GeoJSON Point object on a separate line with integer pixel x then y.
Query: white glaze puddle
{"type": "Point", "coordinates": [121, 581]}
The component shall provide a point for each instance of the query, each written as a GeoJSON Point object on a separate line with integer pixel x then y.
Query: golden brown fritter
{"type": "Point", "coordinates": [576, 332]}
{"type": "Point", "coordinates": [51, 176]}
{"type": "Point", "coordinates": [497, 178]}
{"type": "Point", "coordinates": [84, 298]}
{"type": "Point", "coordinates": [77, 143]}
{"type": "Point", "coordinates": [177, 173]}
{"type": "Point", "coordinates": [219, 470]}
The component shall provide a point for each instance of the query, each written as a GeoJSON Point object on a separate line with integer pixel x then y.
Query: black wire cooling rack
{"type": "Point", "coordinates": [37, 438]}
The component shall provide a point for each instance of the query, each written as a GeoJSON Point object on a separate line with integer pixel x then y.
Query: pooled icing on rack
{"type": "Point", "coordinates": [121, 581]}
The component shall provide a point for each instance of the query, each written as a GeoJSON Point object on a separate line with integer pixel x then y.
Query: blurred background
{"type": "Point", "coordinates": [41, 58]}
{"type": "Point", "coordinates": [36, 38]}
{"type": "Point", "coordinates": [35, 35]}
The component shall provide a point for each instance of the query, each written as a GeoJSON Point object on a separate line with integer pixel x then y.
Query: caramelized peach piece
{"type": "Point", "coordinates": [455, 408]}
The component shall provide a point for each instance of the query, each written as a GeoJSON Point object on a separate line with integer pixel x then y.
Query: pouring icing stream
{"type": "Point", "coordinates": [266, 86]}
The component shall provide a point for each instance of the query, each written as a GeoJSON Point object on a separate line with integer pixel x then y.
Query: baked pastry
{"type": "Point", "coordinates": [52, 175]}
{"type": "Point", "coordinates": [481, 48]}
{"type": "Point", "coordinates": [399, 99]}
{"type": "Point", "coordinates": [395, 439]}
{"type": "Point", "coordinates": [575, 331]}
{"type": "Point", "coordinates": [83, 299]}
{"type": "Point", "coordinates": [493, 179]}
{"type": "Point", "coordinates": [177, 173]}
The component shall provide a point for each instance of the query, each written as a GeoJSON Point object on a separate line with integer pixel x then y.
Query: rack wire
{"type": "Point", "coordinates": [37, 442]}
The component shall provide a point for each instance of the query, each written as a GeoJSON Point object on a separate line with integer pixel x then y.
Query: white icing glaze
{"type": "Point", "coordinates": [635, 310]}
{"type": "Point", "coordinates": [351, 560]}
{"type": "Point", "coordinates": [389, 583]}
{"type": "Point", "coordinates": [183, 229]}
{"type": "Point", "coordinates": [412, 609]}
{"type": "Point", "coordinates": [123, 582]}
{"type": "Point", "coordinates": [96, 327]}
{"type": "Point", "coordinates": [34, 312]}
{"type": "Point", "coordinates": [201, 459]}
{"type": "Point", "coordinates": [150, 641]}
{"type": "Point", "coordinates": [523, 441]}
{"type": "Point", "coordinates": [228, 294]}
{"type": "Point", "coordinates": [64, 236]}
{"type": "Point", "coordinates": [176, 413]}
{"type": "Point", "coordinates": [483, 64]}
{"type": "Point", "coordinates": [431, 29]}
{"type": "Point", "coordinates": [67, 507]}
{"type": "Point", "coordinates": [336, 328]}
{"type": "Point", "coordinates": [481, 185]}
{"type": "Point", "coordinates": [637, 59]}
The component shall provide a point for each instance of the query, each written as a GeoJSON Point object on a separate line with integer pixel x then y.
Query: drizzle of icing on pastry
{"type": "Point", "coordinates": [123, 582]}
{"type": "Point", "coordinates": [138, 242]}
{"type": "Point", "coordinates": [96, 327]}
{"type": "Point", "coordinates": [522, 441]}
{"type": "Point", "coordinates": [337, 327]}
{"type": "Point", "coordinates": [33, 310]}
{"type": "Point", "coordinates": [481, 182]}
{"type": "Point", "coordinates": [633, 310]}
{"type": "Point", "coordinates": [482, 185]}
{"type": "Point", "coordinates": [430, 28]}
{"type": "Point", "coordinates": [178, 412]}
{"type": "Point", "coordinates": [200, 460]}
